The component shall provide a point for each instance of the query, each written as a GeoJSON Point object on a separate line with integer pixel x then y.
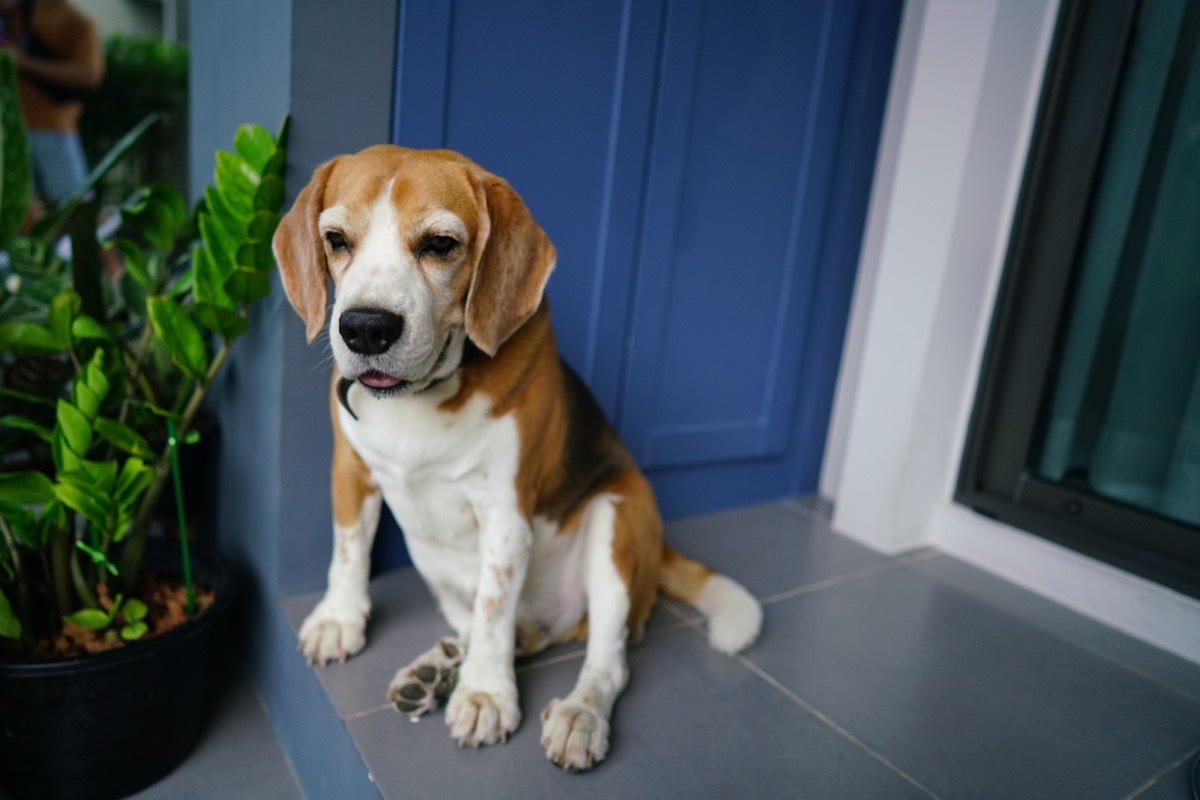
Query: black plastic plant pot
{"type": "Point", "coordinates": [106, 725]}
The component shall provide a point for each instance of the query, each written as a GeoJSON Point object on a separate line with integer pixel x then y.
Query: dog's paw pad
{"type": "Point", "coordinates": [424, 685]}
{"type": "Point", "coordinates": [574, 737]}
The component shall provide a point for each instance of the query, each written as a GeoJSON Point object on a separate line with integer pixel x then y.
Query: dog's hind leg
{"type": "Point", "coordinates": [575, 729]}
{"type": "Point", "coordinates": [427, 682]}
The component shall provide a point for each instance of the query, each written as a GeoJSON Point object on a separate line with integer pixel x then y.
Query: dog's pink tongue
{"type": "Point", "coordinates": [378, 380]}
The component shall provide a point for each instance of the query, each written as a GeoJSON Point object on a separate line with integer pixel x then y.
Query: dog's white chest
{"type": "Point", "coordinates": [436, 469]}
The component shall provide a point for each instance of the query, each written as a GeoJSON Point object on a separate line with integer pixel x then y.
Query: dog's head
{"type": "Point", "coordinates": [424, 248]}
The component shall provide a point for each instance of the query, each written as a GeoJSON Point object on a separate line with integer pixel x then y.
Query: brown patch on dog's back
{"type": "Point", "coordinates": [568, 449]}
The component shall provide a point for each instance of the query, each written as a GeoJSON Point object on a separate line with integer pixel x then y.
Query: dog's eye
{"type": "Point", "coordinates": [337, 241]}
{"type": "Point", "coordinates": [440, 246]}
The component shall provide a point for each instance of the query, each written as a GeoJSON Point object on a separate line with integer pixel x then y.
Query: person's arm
{"type": "Point", "coordinates": [80, 68]}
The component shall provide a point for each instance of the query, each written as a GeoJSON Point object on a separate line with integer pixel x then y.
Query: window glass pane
{"type": "Point", "coordinates": [1123, 420]}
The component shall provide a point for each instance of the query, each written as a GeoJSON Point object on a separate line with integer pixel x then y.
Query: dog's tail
{"type": "Point", "coordinates": [734, 616]}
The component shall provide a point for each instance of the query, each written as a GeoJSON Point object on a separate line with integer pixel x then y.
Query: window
{"type": "Point", "coordinates": [1086, 426]}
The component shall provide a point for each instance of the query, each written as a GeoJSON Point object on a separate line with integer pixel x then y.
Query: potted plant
{"type": "Point", "coordinates": [102, 636]}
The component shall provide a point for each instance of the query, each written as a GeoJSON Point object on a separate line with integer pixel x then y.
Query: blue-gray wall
{"type": "Point", "coordinates": [250, 64]}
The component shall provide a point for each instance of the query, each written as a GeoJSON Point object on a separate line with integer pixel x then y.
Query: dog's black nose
{"type": "Point", "coordinates": [369, 331]}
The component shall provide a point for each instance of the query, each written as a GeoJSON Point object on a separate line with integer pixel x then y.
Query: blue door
{"type": "Point", "coordinates": [703, 169]}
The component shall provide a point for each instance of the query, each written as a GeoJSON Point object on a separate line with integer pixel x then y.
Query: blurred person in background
{"type": "Point", "coordinates": [59, 59]}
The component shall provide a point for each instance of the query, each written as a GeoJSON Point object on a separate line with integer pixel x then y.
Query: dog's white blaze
{"type": "Point", "coordinates": [383, 274]}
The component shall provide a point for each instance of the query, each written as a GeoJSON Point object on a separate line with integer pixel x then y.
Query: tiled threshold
{"type": "Point", "coordinates": [915, 676]}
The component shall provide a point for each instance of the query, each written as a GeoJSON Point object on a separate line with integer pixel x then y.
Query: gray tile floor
{"type": "Point", "coordinates": [910, 677]}
{"type": "Point", "coordinates": [237, 756]}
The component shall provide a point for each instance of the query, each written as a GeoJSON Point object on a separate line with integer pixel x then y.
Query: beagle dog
{"type": "Point", "coordinates": [521, 509]}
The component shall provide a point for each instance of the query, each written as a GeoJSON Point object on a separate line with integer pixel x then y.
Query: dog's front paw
{"type": "Point", "coordinates": [478, 717]}
{"type": "Point", "coordinates": [332, 632]}
{"type": "Point", "coordinates": [425, 684]}
{"type": "Point", "coordinates": [574, 737]}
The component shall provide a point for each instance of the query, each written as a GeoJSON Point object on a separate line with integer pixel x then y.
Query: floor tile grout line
{"type": "Point", "coordinates": [795, 506]}
{"type": "Point", "coordinates": [1074, 641]}
{"type": "Point", "coordinates": [368, 712]}
{"type": "Point", "coordinates": [822, 717]}
{"type": "Point", "coordinates": [673, 608]}
{"type": "Point", "coordinates": [837, 580]}
{"type": "Point", "coordinates": [552, 660]}
{"type": "Point", "coordinates": [573, 655]}
{"type": "Point", "coordinates": [1158, 776]}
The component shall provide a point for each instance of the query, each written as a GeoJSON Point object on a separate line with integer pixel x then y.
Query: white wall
{"type": "Point", "coordinates": [958, 124]}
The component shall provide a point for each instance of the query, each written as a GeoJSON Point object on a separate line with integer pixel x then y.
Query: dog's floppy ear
{"type": "Point", "coordinates": [301, 255]}
{"type": "Point", "coordinates": [511, 274]}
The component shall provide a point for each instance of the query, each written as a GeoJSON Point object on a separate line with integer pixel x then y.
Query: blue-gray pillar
{"type": "Point", "coordinates": [331, 67]}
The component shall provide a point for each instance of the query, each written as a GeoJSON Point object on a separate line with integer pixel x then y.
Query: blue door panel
{"type": "Point", "coordinates": [547, 95]}
{"type": "Point", "coordinates": [703, 168]}
{"type": "Point", "coordinates": [743, 143]}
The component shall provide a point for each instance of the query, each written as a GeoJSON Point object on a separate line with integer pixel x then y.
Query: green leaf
{"type": "Point", "coordinates": [225, 323]}
{"type": "Point", "coordinates": [135, 262]}
{"type": "Point", "coordinates": [123, 437]}
{"type": "Point", "coordinates": [236, 182]}
{"type": "Point", "coordinates": [180, 285]}
{"type": "Point", "coordinates": [93, 476]}
{"type": "Point", "coordinates": [63, 309]}
{"type": "Point", "coordinates": [65, 459]}
{"type": "Point", "coordinates": [284, 127]}
{"type": "Point", "coordinates": [269, 195]}
{"type": "Point", "coordinates": [208, 281]}
{"type": "Point", "coordinates": [92, 619]}
{"type": "Point", "coordinates": [85, 399]}
{"type": "Point", "coordinates": [220, 243]}
{"type": "Point", "coordinates": [10, 626]}
{"type": "Point", "coordinates": [76, 430]}
{"type": "Point", "coordinates": [84, 327]}
{"type": "Point", "coordinates": [262, 226]}
{"type": "Point", "coordinates": [134, 478]}
{"type": "Point", "coordinates": [275, 164]}
{"type": "Point", "coordinates": [25, 488]}
{"type": "Point", "coordinates": [254, 144]}
{"type": "Point", "coordinates": [171, 200]}
{"type": "Point", "coordinates": [179, 335]}
{"type": "Point", "coordinates": [26, 397]}
{"type": "Point", "coordinates": [29, 339]}
{"type": "Point", "coordinates": [21, 424]}
{"type": "Point", "coordinates": [155, 221]}
{"type": "Point", "coordinates": [25, 525]}
{"type": "Point", "coordinates": [216, 204]}
{"type": "Point", "coordinates": [94, 377]}
{"type": "Point", "coordinates": [257, 256]}
{"type": "Point", "coordinates": [133, 610]}
{"type": "Point", "coordinates": [247, 285]}
{"type": "Point", "coordinates": [134, 631]}
{"type": "Point", "coordinates": [97, 509]}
